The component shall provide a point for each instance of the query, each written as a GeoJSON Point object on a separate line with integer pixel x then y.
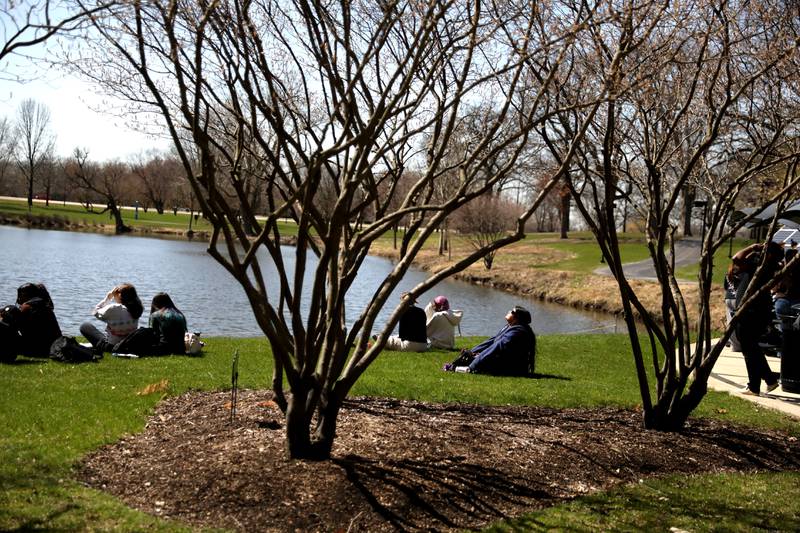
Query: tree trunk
{"type": "Point", "coordinates": [30, 190]}
{"type": "Point", "coordinates": [666, 417]}
{"type": "Point", "coordinates": [688, 202]}
{"type": "Point", "coordinates": [325, 431]}
{"type": "Point", "coordinates": [298, 438]}
{"type": "Point", "coordinates": [299, 442]}
{"type": "Point", "coordinates": [119, 224]}
{"type": "Point", "coordinates": [564, 214]}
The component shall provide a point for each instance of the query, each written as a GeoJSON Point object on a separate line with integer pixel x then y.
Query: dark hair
{"type": "Point", "coordinates": [10, 315]}
{"type": "Point", "coordinates": [131, 301]}
{"type": "Point", "coordinates": [162, 301]}
{"type": "Point", "coordinates": [29, 291]}
{"type": "Point", "coordinates": [522, 315]}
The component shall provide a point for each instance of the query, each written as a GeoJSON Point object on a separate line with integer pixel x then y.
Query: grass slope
{"type": "Point", "coordinates": [53, 414]}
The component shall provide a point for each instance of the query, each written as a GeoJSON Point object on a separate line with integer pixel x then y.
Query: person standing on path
{"type": "Point", "coordinates": [755, 319]}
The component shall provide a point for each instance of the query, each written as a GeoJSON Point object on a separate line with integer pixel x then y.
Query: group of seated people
{"type": "Point", "coordinates": [510, 352]}
{"type": "Point", "coordinates": [433, 327]}
{"type": "Point", "coordinates": [29, 327]}
{"type": "Point", "coordinates": [744, 277]}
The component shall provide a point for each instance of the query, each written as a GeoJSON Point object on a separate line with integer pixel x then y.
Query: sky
{"type": "Point", "coordinates": [75, 111]}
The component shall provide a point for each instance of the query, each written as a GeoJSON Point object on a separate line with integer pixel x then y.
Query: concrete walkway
{"type": "Point", "coordinates": [730, 375]}
{"type": "Point", "coordinates": [687, 253]}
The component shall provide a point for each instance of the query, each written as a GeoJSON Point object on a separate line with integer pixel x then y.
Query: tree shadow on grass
{"type": "Point", "coordinates": [537, 375]}
{"type": "Point", "coordinates": [636, 509]}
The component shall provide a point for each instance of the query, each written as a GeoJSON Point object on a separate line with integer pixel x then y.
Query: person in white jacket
{"type": "Point", "coordinates": [120, 310]}
{"type": "Point", "coordinates": [442, 323]}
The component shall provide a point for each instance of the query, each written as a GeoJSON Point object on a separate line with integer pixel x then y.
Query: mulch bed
{"type": "Point", "coordinates": [402, 465]}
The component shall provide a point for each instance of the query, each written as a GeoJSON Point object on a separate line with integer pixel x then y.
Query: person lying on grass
{"type": "Point", "coordinates": [511, 352]}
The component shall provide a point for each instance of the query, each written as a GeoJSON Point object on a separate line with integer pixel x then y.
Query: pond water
{"type": "Point", "coordinates": [79, 268]}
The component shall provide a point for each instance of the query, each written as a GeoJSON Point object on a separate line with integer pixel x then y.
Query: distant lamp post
{"type": "Point", "coordinates": [704, 205]}
{"type": "Point", "coordinates": [136, 210]}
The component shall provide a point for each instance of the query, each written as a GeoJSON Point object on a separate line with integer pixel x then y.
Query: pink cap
{"type": "Point", "coordinates": [441, 303]}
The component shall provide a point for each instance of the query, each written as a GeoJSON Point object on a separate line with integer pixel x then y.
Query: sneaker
{"type": "Point", "coordinates": [747, 392]}
{"type": "Point", "coordinates": [772, 387]}
{"type": "Point", "coordinates": [448, 367]}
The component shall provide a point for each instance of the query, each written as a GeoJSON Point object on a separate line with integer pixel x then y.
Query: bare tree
{"type": "Point", "coordinates": [106, 181]}
{"type": "Point", "coordinates": [35, 141]}
{"type": "Point", "coordinates": [159, 177]}
{"type": "Point", "coordinates": [48, 177]}
{"type": "Point", "coordinates": [485, 220]}
{"type": "Point", "coordinates": [352, 92]}
{"type": "Point", "coordinates": [7, 147]}
{"type": "Point", "coordinates": [703, 99]}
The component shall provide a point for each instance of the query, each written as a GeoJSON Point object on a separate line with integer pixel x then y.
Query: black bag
{"type": "Point", "coordinates": [464, 358]}
{"type": "Point", "coordinates": [67, 350]}
{"type": "Point", "coordinates": [9, 333]}
{"type": "Point", "coordinates": [143, 341]}
{"type": "Point", "coordinates": [9, 343]}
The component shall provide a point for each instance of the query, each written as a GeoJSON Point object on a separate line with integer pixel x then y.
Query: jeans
{"type": "Point", "coordinates": [92, 334]}
{"type": "Point", "coordinates": [749, 330]}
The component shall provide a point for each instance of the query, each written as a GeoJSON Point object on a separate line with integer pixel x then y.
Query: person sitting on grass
{"type": "Point", "coordinates": [511, 352]}
{"type": "Point", "coordinates": [412, 336]}
{"type": "Point", "coordinates": [168, 323]}
{"type": "Point", "coordinates": [442, 323]}
{"type": "Point", "coordinates": [163, 336]}
{"type": "Point", "coordinates": [36, 321]}
{"type": "Point", "coordinates": [120, 310]}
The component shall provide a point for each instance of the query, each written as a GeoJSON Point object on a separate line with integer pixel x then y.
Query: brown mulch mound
{"type": "Point", "coordinates": [402, 465]}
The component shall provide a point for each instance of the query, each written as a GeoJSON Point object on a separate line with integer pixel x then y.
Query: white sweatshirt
{"type": "Point", "coordinates": [119, 322]}
{"type": "Point", "coordinates": [441, 328]}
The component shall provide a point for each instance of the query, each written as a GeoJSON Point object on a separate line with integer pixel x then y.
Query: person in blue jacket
{"type": "Point", "coordinates": [510, 352]}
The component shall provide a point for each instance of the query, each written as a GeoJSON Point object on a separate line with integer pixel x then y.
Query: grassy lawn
{"type": "Point", "coordinates": [586, 251]}
{"type": "Point", "coordinates": [76, 214]}
{"type": "Point", "coordinates": [55, 413]}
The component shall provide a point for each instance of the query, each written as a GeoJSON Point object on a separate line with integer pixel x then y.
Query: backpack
{"type": "Point", "coordinates": [143, 341]}
{"type": "Point", "coordinates": [67, 350]}
{"type": "Point", "coordinates": [9, 343]}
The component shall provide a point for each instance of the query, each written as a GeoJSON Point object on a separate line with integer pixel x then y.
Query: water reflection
{"type": "Point", "coordinates": [79, 268]}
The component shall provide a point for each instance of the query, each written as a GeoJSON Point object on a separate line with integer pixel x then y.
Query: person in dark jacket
{"type": "Point", "coordinates": [755, 319]}
{"type": "Point", "coordinates": [37, 323]}
{"type": "Point", "coordinates": [412, 335]}
{"type": "Point", "coordinates": [510, 352]}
